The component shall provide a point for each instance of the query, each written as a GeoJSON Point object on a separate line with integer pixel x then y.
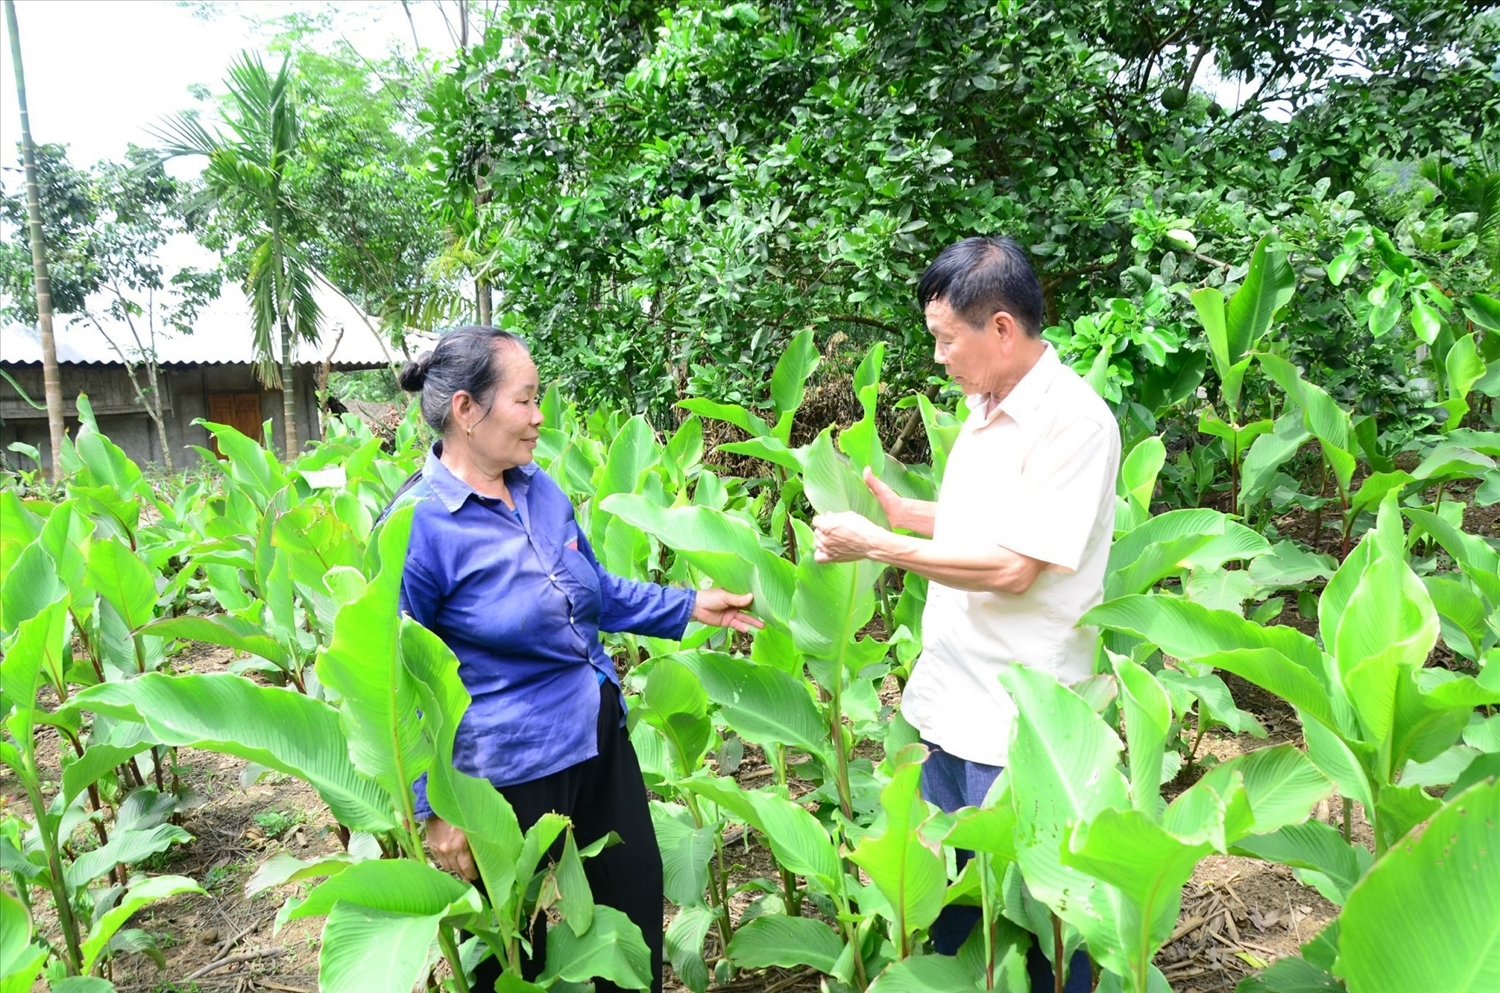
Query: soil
{"type": "Point", "coordinates": [1238, 914]}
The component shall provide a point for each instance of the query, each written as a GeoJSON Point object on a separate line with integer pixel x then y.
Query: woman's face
{"type": "Point", "coordinates": [506, 436]}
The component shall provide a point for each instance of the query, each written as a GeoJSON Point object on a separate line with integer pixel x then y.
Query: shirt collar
{"type": "Point", "coordinates": [1026, 396]}
{"type": "Point", "coordinates": [454, 492]}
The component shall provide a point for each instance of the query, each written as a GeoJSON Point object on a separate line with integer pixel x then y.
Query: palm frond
{"type": "Point", "coordinates": [260, 287]}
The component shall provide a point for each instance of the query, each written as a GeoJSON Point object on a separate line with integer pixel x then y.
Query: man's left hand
{"type": "Point", "coordinates": [845, 537]}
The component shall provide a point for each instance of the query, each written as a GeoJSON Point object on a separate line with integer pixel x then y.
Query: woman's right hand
{"type": "Point", "coordinates": [450, 849]}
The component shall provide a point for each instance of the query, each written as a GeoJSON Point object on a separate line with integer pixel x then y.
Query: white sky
{"type": "Point", "coordinates": [100, 72]}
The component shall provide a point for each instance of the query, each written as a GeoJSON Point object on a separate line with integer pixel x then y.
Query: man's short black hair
{"type": "Point", "coordinates": [979, 276]}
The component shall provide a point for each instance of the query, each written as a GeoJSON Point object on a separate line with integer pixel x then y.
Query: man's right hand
{"type": "Point", "coordinates": [450, 848]}
{"type": "Point", "coordinates": [891, 502]}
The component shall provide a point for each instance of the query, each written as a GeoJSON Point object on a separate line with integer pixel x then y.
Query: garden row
{"type": "Point", "coordinates": [104, 578]}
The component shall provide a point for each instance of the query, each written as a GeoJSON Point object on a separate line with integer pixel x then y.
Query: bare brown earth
{"type": "Point", "coordinates": [1237, 914]}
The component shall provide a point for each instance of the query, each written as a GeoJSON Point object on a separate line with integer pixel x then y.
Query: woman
{"type": "Point", "coordinates": [499, 569]}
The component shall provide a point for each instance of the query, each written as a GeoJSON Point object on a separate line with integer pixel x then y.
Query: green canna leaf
{"type": "Point", "coordinates": [1425, 916]}
{"type": "Point", "coordinates": [908, 870]}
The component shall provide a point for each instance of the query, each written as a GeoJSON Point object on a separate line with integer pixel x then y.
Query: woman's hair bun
{"type": "Point", "coordinates": [414, 374]}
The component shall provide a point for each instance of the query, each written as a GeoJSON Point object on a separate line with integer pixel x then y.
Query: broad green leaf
{"type": "Point", "coordinates": [1139, 471]}
{"type": "Point", "coordinates": [467, 802]}
{"type": "Point", "coordinates": [632, 452]}
{"type": "Point", "coordinates": [1483, 310]}
{"type": "Point", "coordinates": [834, 485]}
{"type": "Point", "coordinates": [684, 945]}
{"type": "Point", "coordinates": [277, 728]}
{"type": "Point", "coordinates": [1063, 771]}
{"type": "Point", "coordinates": [120, 577]}
{"type": "Point", "coordinates": [796, 838]}
{"type": "Point", "coordinates": [929, 974]}
{"type": "Point", "coordinates": [575, 898]}
{"type": "Point", "coordinates": [1462, 613]}
{"type": "Point", "coordinates": [124, 847]}
{"type": "Point", "coordinates": [1148, 717]}
{"type": "Point", "coordinates": [764, 704]}
{"type": "Point", "coordinates": [908, 871]}
{"type": "Point", "coordinates": [789, 378]}
{"type": "Point", "coordinates": [1280, 782]}
{"type": "Point", "coordinates": [221, 629]}
{"type": "Point", "coordinates": [38, 646]}
{"type": "Point", "coordinates": [1425, 321]}
{"type": "Point", "coordinates": [283, 867]}
{"type": "Point", "coordinates": [732, 413]}
{"type": "Point", "coordinates": [787, 942]}
{"type": "Point", "coordinates": [125, 740]}
{"type": "Point", "coordinates": [1479, 561]}
{"type": "Point", "coordinates": [250, 465]}
{"type": "Point", "coordinates": [1312, 845]}
{"type": "Point", "coordinates": [767, 449]}
{"type": "Point", "coordinates": [398, 886]}
{"type": "Point", "coordinates": [612, 948]}
{"type": "Point", "coordinates": [1219, 589]}
{"type": "Point", "coordinates": [1330, 753]}
{"type": "Point", "coordinates": [677, 706]}
{"type": "Point", "coordinates": [1289, 565]}
{"type": "Point", "coordinates": [16, 951]}
{"type": "Point", "coordinates": [316, 542]}
{"type": "Point", "coordinates": [155, 888]}
{"type": "Point", "coordinates": [1148, 867]}
{"type": "Point", "coordinates": [1375, 487]}
{"type": "Point", "coordinates": [1157, 549]}
{"type": "Point", "coordinates": [369, 949]}
{"type": "Point", "coordinates": [725, 548]}
{"type": "Point", "coordinates": [1209, 302]}
{"type": "Point", "coordinates": [1269, 453]}
{"type": "Point", "coordinates": [378, 699]}
{"type": "Point", "coordinates": [1267, 287]}
{"type": "Point", "coordinates": [685, 851]}
{"type": "Point", "coordinates": [1322, 417]}
{"type": "Point", "coordinates": [1425, 917]}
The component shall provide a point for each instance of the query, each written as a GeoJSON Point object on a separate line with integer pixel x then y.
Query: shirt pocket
{"type": "Point", "coordinates": [573, 562]}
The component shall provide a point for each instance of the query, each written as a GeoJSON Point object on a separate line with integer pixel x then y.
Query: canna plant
{"type": "Point", "coordinates": [1368, 705]}
{"type": "Point", "coordinates": [91, 918]}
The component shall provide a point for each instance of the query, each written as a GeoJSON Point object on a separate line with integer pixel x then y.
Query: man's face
{"type": "Point", "coordinates": [976, 358]}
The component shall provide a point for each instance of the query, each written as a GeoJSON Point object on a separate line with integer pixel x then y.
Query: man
{"type": "Point", "coordinates": [1020, 532]}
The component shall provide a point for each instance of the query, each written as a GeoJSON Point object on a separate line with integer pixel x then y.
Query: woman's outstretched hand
{"type": "Point", "coordinates": [724, 609]}
{"type": "Point", "coordinates": [450, 848]}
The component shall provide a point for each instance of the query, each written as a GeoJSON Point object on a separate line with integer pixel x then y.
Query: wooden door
{"type": "Point", "coordinates": [240, 411]}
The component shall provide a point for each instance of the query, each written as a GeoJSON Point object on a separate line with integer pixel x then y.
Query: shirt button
{"type": "Point", "coordinates": [552, 576]}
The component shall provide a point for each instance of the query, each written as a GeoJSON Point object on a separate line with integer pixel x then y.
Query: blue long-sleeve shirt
{"type": "Point", "coordinates": [521, 599]}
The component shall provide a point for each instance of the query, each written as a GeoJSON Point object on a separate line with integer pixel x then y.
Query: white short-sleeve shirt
{"type": "Point", "coordinates": [1036, 475]}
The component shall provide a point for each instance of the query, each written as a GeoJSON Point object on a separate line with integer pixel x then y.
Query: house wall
{"type": "Point", "coordinates": [185, 391]}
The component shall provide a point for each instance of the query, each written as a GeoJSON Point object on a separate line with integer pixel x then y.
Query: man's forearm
{"type": "Point", "coordinates": [994, 569]}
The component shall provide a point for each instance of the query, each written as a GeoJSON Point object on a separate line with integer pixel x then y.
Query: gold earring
{"type": "Point", "coordinates": [469, 431]}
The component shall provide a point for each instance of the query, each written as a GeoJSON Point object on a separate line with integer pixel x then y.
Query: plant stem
{"type": "Point", "coordinates": [1348, 821]}
{"type": "Point", "coordinates": [987, 919]}
{"type": "Point", "coordinates": [58, 883]}
{"type": "Point", "coordinates": [789, 891]}
{"type": "Point", "coordinates": [450, 952]}
{"type": "Point", "coordinates": [1057, 955]}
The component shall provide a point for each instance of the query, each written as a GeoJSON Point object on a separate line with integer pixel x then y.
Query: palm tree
{"type": "Point", "coordinates": [246, 176]}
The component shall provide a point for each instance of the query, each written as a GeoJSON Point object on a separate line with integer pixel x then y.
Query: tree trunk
{"type": "Point", "coordinates": [51, 379]}
{"type": "Point", "coordinates": [288, 391]}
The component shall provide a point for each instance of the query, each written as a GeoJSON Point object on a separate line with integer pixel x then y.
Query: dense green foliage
{"type": "Point", "coordinates": [701, 182]}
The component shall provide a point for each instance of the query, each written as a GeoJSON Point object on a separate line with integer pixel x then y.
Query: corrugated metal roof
{"type": "Point", "coordinates": [221, 333]}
